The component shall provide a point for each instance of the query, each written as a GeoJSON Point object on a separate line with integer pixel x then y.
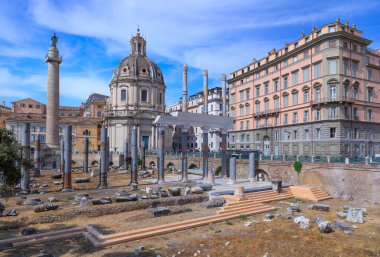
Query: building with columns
{"type": "Point", "coordinates": [315, 96]}
{"type": "Point", "coordinates": [217, 97]}
{"type": "Point", "coordinates": [137, 97]}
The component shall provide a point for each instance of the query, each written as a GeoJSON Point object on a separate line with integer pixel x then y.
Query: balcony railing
{"type": "Point", "coordinates": [267, 112]}
{"type": "Point", "coordinates": [332, 100]}
{"type": "Point", "coordinates": [295, 121]}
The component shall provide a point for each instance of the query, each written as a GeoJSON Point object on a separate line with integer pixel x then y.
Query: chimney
{"type": "Point", "coordinates": [338, 20]}
{"type": "Point", "coordinates": [3, 104]}
{"type": "Point", "coordinates": [347, 24]}
{"type": "Point", "coordinates": [184, 88]}
{"type": "Point", "coordinates": [354, 26]}
{"type": "Point", "coordinates": [224, 94]}
{"type": "Point", "coordinates": [205, 91]}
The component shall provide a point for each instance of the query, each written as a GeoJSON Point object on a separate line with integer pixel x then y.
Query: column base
{"type": "Point", "coordinates": [103, 187]}
{"type": "Point", "coordinates": [160, 181]}
{"type": "Point", "coordinates": [252, 180]}
{"type": "Point", "coordinates": [67, 190]}
{"type": "Point", "coordinates": [185, 180]}
{"type": "Point", "coordinates": [231, 182]}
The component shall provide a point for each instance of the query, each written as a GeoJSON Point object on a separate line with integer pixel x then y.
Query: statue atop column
{"type": "Point", "coordinates": [54, 40]}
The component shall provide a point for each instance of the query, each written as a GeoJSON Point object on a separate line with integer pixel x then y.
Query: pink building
{"type": "Point", "coordinates": [316, 96]}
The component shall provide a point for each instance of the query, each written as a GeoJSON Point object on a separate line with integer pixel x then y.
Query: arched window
{"type": "Point", "coordinates": [144, 95]}
{"type": "Point", "coordinates": [123, 95]}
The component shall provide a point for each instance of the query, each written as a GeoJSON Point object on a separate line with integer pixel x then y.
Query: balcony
{"type": "Point", "coordinates": [267, 112]}
{"type": "Point", "coordinates": [337, 99]}
{"type": "Point", "coordinates": [295, 121]}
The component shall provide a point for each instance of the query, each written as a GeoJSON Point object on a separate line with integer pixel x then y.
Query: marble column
{"type": "Point", "coordinates": [68, 154]}
{"type": "Point", "coordinates": [125, 155]}
{"type": "Point", "coordinates": [142, 150]}
{"type": "Point", "coordinates": [224, 153]}
{"type": "Point", "coordinates": [161, 155]}
{"type": "Point", "coordinates": [134, 156]}
{"type": "Point", "coordinates": [37, 156]}
{"type": "Point", "coordinates": [62, 164]}
{"type": "Point", "coordinates": [205, 152]}
{"type": "Point", "coordinates": [85, 157]}
{"type": "Point", "coordinates": [251, 167]}
{"type": "Point", "coordinates": [232, 171]}
{"type": "Point", "coordinates": [184, 88]}
{"type": "Point", "coordinates": [103, 158]}
{"type": "Point", "coordinates": [25, 172]}
{"type": "Point", "coordinates": [184, 151]}
{"type": "Point", "coordinates": [205, 91]}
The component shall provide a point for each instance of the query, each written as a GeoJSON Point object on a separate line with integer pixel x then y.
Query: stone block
{"type": "Point", "coordinates": [325, 227]}
{"type": "Point", "coordinates": [53, 199]}
{"type": "Point", "coordinates": [159, 211]}
{"type": "Point", "coordinates": [12, 213]}
{"type": "Point", "coordinates": [103, 200]}
{"type": "Point", "coordinates": [163, 193]}
{"type": "Point", "coordinates": [187, 191]}
{"type": "Point", "coordinates": [319, 207]}
{"type": "Point", "coordinates": [28, 231]}
{"type": "Point", "coordinates": [342, 215]}
{"type": "Point", "coordinates": [57, 176]}
{"type": "Point", "coordinates": [305, 223]}
{"type": "Point", "coordinates": [83, 202]}
{"type": "Point", "coordinates": [82, 180]}
{"type": "Point", "coordinates": [174, 191]}
{"type": "Point", "coordinates": [298, 220]}
{"type": "Point", "coordinates": [39, 208]}
{"type": "Point", "coordinates": [196, 190]}
{"type": "Point", "coordinates": [355, 215]}
{"type": "Point", "coordinates": [294, 207]}
{"type": "Point", "coordinates": [205, 186]}
{"type": "Point", "coordinates": [33, 201]}
{"type": "Point", "coordinates": [80, 196]}
{"type": "Point", "coordinates": [215, 202]}
{"type": "Point", "coordinates": [339, 224]}
{"type": "Point", "coordinates": [52, 206]}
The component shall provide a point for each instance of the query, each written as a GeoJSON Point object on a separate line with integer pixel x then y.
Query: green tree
{"type": "Point", "coordinates": [11, 161]}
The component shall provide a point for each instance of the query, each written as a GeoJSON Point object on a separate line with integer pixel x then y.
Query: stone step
{"type": "Point", "coordinates": [136, 235]}
{"type": "Point", "coordinates": [268, 198]}
{"type": "Point", "coordinates": [50, 238]}
{"type": "Point", "coordinates": [245, 209]}
{"type": "Point", "coordinates": [41, 235]}
{"type": "Point", "coordinates": [324, 198]}
{"type": "Point", "coordinates": [242, 204]}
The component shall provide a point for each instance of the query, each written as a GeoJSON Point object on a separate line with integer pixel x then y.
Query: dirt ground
{"type": "Point", "coordinates": [280, 237]}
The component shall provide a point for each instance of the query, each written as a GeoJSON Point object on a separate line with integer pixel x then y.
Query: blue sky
{"type": "Point", "coordinates": [94, 35]}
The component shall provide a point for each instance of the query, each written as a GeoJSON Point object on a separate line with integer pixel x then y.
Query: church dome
{"type": "Point", "coordinates": [137, 64]}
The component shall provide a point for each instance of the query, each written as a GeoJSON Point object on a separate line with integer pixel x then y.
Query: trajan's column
{"type": "Point", "coordinates": [52, 109]}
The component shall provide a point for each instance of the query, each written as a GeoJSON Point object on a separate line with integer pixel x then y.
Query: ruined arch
{"type": "Point", "coordinates": [218, 171]}
{"type": "Point", "coordinates": [261, 175]}
{"type": "Point", "coordinates": [193, 166]}
{"type": "Point", "coordinates": [170, 167]}
{"type": "Point", "coordinates": [95, 163]}
{"type": "Point", "coordinates": [152, 164]}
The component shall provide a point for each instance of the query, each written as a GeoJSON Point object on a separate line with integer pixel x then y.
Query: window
{"type": "Point", "coordinates": [333, 92]}
{"type": "Point", "coordinates": [332, 132]}
{"type": "Point", "coordinates": [305, 54]}
{"type": "Point", "coordinates": [123, 95]}
{"type": "Point", "coordinates": [266, 72]}
{"type": "Point", "coordinates": [369, 74]}
{"type": "Point", "coordinates": [345, 45]}
{"type": "Point", "coordinates": [144, 95]}
{"type": "Point", "coordinates": [355, 69]}
{"type": "Point", "coordinates": [317, 49]}
{"type": "Point", "coordinates": [257, 124]}
{"type": "Point", "coordinates": [306, 116]}
{"type": "Point", "coordinates": [346, 66]}
{"type": "Point", "coordinates": [295, 45]}
{"type": "Point", "coordinates": [295, 59]}
{"type": "Point", "coordinates": [266, 122]}
{"type": "Point", "coordinates": [241, 93]}
{"type": "Point", "coordinates": [22, 105]}
{"type": "Point", "coordinates": [354, 48]}
{"type": "Point", "coordinates": [318, 133]}
{"type": "Point", "coordinates": [346, 112]}
{"type": "Point", "coordinates": [241, 110]}
{"type": "Point", "coordinates": [306, 134]}
{"type": "Point", "coordinates": [295, 98]}
{"type": "Point", "coordinates": [247, 110]}
{"type": "Point", "coordinates": [247, 95]}
{"type": "Point", "coordinates": [356, 133]}
{"type": "Point", "coordinates": [295, 78]}
{"type": "Point", "coordinates": [276, 104]}
{"type": "Point", "coordinates": [285, 119]}
{"type": "Point", "coordinates": [247, 124]}
{"type": "Point", "coordinates": [356, 113]}
{"type": "Point", "coordinates": [317, 114]}
{"type": "Point", "coordinates": [285, 82]}
{"type": "Point", "coordinates": [306, 75]}
{"type": "Point", "coordinates": [295, 134]}
{"type": "Point", "coordinates": [212, 107]}
{"type": "Point", "coordinates": [332, 63]}
{"type": "Point", "coordinates": [266, 89]}
{"type": "Point", "coordinates": [370, 94]}
{"type": "Point", "coordinates": [346, 132]}
{"type": "Point", "coordinates": [295, 117]}
{"type": "Point", "coordinates": [257, 137]}
{"type": "Point", "coordinates": [30, 105]}
{"type": "Point", "coordinates": [241, 125]}
{"type": "Point", "coordinates": [332, 29]}
{"type": "Point", "coordinates": [276, 120]}
{"type": "Point", "coordinates": [285, 63]}
{"type": "Point", "coordinates": [370, 115]}
{"type": "Point", "coordinates": [333, 113]}
{"type": "Point", "coordinates": [332, 43]}
{"type": "Point", "coordinates": [276, 136]}
{"type": "Point", "coordinates": [276, 85]}
{"type": "Point", "coordinates": [160, 98]}
{"type": "Point", "coordinates": [356, 92]}
{"type": "Point", "coordinates": [317, 70]}
{"type": "Point", "coordinates": [42, 129]}
{"type": "Point", "coordinates": [285, 101]}
{"type": "Point", "coordinates": [307, 39]}
{"type": "Point", "coordinates": [318, 94]}
{"type": "Point", "coordinates": [257, 91]}
{"type": "Point", "coordinates": [306, 96]}
{"type": "Point", "coordinates": [257, 107]}
{"type": "Point", "coordinates": [276, 67]}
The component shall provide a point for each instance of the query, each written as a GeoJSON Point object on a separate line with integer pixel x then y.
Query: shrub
{"type": "Point", "coordinates": [297, 166]}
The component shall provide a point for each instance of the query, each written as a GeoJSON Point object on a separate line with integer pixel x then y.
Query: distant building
{"type": "Point", "coordinates": [195, 104]}
{"type": "Point", "coordinates": [94, 106]}
{"type": "Point", "coordinates": [4, 114]}
{"type": "Point", "coordinates": [315, 96]}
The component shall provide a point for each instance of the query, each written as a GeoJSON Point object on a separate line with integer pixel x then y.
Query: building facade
{"type": "Point", "coordinates": [137, 97]}
{"type": "Point", "coordinates": [316, 96]}
{"type": "Point", "coordinates": [195, 104]}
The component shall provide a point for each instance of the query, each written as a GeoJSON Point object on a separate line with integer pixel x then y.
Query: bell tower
{"type": "Point", "coordinates": [138, 45]}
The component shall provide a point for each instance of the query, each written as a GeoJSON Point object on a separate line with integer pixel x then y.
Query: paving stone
{"type": "Point", "coordinates": [28, 231]}
{"type": "Point", "coordinates": [52, 206]}
{"type": "Point", "coordinates": [159, 211]}
{"type": "Point", "coordinates": [32, 201]}
{"type": "Point", "coordinates": [325, 227]}
{"type": "Point", "coordinates": [319, 207]}
{"type": "Point", "coordinates": [126, 198]}
{"type": "Point", "coordinates": [355, 215]}
{"type": "Point", "coordinates": [215, 202]}
{"type": "Point", "coordinates": [122, 193]}
{"type": "Point", "coordinates": [82, 180]}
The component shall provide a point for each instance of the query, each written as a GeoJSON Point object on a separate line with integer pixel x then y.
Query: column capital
{"type": "Point", "coordinates": [205, 129]}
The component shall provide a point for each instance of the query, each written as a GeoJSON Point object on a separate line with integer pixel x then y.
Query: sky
{"type": "Point", "coordinates": [94, 35]}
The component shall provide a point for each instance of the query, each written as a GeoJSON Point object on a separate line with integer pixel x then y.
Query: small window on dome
{"type": "Point", "coordinates": [125, 69]}
{"type": "Point", "coordinates": [143, 70]}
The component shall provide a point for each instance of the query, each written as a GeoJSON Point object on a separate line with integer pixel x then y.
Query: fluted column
{"type": "Point", "coordinates": [224, 152]}
{"type": "Point", "coordinates": [62, 164]}
{"type": "Point", "coordinates": [224, 103]}
{"type": "Point", "coordinates": [205, 91]}
{"type": "Point", "coordinates": [37, 156]}
{"type": "Point", "coordinates": [125, 155]}
{"type": "Point", "coordinates": [161, 155]}
{"type": "Point", "coordinates": [184, 88]}
{"type": "Point", "coordinates": [134, 156]}
{"type": "Point", "coordinates": [205, 152]}
{"type": "Point", "coordinates": [68, 152]}
{"type": "Point", "coordinates": [85, 159]}
{"type": "Point", "coordinates": [104, 151]}
{"type": "Point", "coordinates": [184, 142]}
{"type": "Point", "coordinates": [26, 155]}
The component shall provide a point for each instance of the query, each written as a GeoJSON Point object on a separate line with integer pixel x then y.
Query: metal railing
{"type": "Point", "coordinates": [333, 99]}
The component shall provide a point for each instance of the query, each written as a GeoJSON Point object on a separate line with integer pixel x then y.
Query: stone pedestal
{"type": "Point", "coordinates": [277, 185]}
{"type": "Point", "coordinates": [328, 159]}
{"type": "Point", "coordinates": [239, 192]}
{"type": "Point", "coordinates": [346, 160]}
{"type": "Point", "coordinates": [211, 178]}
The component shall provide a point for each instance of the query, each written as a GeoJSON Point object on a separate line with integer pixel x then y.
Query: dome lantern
{"type": "Point", "coordinates": [138, 45]}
